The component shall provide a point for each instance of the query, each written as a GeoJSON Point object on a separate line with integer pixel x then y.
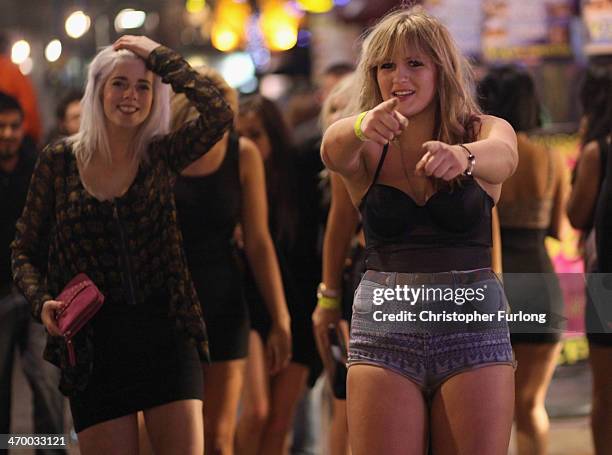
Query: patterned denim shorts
{"type": "Point", "coordinates": [430, 326]}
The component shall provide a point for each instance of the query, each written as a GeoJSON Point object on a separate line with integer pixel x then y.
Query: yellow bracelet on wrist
{"type": "Point", "coordinates": [357, 127]}
{"type": "Point", "coordinates": [329, 303]}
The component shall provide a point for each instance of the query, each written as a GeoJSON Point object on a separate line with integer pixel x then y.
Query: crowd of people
{"type": "Point", "coordinates": [238, 267]}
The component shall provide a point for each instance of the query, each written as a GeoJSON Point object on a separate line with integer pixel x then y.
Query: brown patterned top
{"type": "Point", "coordinates": [131, 246]}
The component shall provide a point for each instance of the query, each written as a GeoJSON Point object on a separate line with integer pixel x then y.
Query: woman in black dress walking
{"type": "Point", "coordinates": [101, 203]}
{"type": "Point", "coordinates": [216, 193]}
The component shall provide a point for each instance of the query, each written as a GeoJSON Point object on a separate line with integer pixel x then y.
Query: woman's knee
{"type": "Point", "coordinates": [281, 414]}
{"type": "Point", "coordinates": [529, 412]}
{"type": "Point", "coordinates": [219, 436]}
{"type": "Point", "coordinates": [257, 415]}
{"type": "Point", "coordinates": [218, 442]}
{"type": "Point", "coordinates": [279, 423]}
{"type": "Point", "coordinates": [525, 402]}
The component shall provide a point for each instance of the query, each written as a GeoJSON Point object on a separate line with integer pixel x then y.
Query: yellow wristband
{"type": "Point", "coordinates": [357, 127]}
{"type": "Point", "coordinates": [329, 303]}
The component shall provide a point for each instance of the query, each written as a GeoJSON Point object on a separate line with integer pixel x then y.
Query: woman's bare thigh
{"type": "Point", "coordinates": [386, 413]}
{"type": "Point", "coordinates": [176, 427]}
{"type": "Point", "coordinates": [471, 413]}
{"type": "Point", "coordinates": [118, 436]}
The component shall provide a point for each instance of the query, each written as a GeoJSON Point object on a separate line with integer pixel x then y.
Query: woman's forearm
{"type": "Point", "coordinates": [340, 148]}
{"type": "Point", "coordinates": [215, 112]}
{"type": "Point", "coordinates": [340, 229]}
{"type": "Point", "coordinates": [264, 264]}
{"type": "Point", "coordinates": [335, 248]}
{"type": "Point", "coordinates": [496, 159]}
{"type": "Point", "coordinates": [194, 138]}
{"type": "Point", "coordinates": [30, 248]}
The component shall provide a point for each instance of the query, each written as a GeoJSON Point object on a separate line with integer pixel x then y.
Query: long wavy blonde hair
{"type": "Point", "coordinates": [456, 110]}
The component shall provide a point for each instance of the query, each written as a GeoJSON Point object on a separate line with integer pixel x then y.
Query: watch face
{"type": "Point", "coordinates": [471, 162]}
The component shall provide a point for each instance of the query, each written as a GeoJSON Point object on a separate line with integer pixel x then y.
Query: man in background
{"type": "Point", "coordinates": [68, 116]}
{"type": "Point", "coordinates": [18, 330]}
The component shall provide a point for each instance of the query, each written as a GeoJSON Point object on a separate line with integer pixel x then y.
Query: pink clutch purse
{"type": "Point", "coordinates": [83, 300]}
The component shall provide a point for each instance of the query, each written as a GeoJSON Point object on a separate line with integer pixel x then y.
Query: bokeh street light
{"type": "Point", "coordinates": [53, 51]}
{"type": "Point", "coordinates": [129, 18]}
{"type": "Point", "coordinates": [77, 24]}
{"type": "Point", "coordinates": [20, 51]}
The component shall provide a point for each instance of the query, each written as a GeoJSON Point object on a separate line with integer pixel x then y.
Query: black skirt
{"type": "Point", "coordinates": [219, 288]}
{"type": "Point", "coordinates": [531, 285]}
{"type": "Point", "coordinates": [140, 361]}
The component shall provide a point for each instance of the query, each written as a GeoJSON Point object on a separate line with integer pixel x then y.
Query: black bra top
{"type": "Point", "coordinates": [453, 217]}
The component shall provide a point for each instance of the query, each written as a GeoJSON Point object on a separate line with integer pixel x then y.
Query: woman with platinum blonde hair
{"type": "Point", "coordinates": [101, 203]}
{"type": "Point", "coordinates": [425, 168]}
{"type": "Point", "coordinates": [91, 138]}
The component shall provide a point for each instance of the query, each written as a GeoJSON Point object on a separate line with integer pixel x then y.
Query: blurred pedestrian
{"type": "Point", "coordinates": [67, 116]}
{"type": "Point", "coordinates": [343, 240]}
{"type": "Point", "coordinates": [214, 194]}
{"type": "Point", "coordinates": [18, 331]}
{"type": "Point", "coordinates": [589, 209]}
{"type": "Point", "coordinates": [271, 397]}
{"type": "Point", "coordinates": [531, 207]}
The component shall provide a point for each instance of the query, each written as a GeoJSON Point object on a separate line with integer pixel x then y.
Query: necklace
{"type": "Point", "coordinates": [409, 175]}
{"type": "Point", "coordinates": [401, 155]}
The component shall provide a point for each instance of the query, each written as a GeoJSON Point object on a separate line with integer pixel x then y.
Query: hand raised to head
{"type": "Point", "coordinates": [139, 45]}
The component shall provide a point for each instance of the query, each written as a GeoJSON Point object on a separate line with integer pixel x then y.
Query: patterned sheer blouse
{"type": "Point", "coordinates": [129, 246]}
